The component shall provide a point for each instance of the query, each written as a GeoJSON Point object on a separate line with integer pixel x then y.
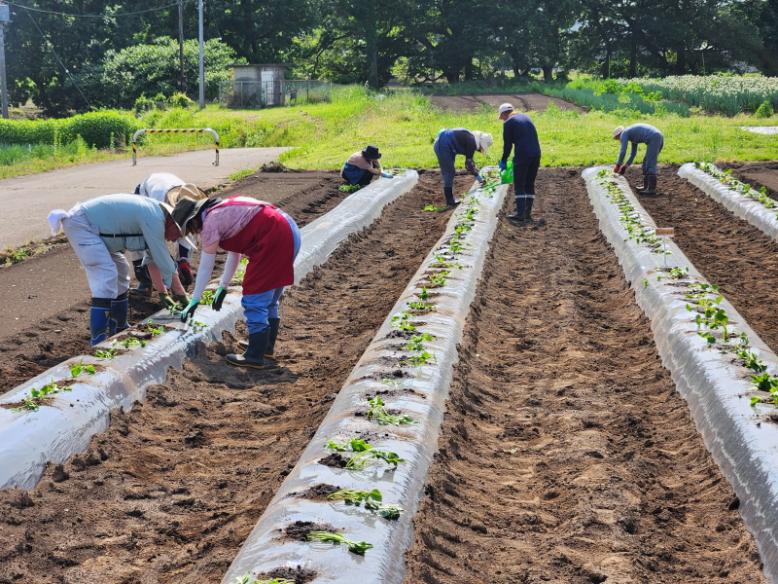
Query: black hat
{"type": "Point", "coordinates": [371, 153]}
{"type": "Point", "coordinates": [187, 209]}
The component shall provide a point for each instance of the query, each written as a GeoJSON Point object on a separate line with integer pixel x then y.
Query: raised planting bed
{"type": "Point", "coordinates": [170, 491]}
{"type": "Point", "coordinates": [566, 454]}
{"type": "Point", "coordinates": [44, 313]}
{"type": "Point", "coordinates": [719, 364]}
{"type": "Point", "coordinates": [30, 439]}
{"type": "Point", "coordinates": [344, 512]}
{"type": "Point", "coordinates": [746, 202]}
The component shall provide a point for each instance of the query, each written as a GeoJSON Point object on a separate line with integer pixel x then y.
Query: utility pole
{"type": "Point", "coordinates": [202, 53]}
{"type": "Point", "coordinates": [182, 81]}
{"type": "Point", "coordinates": [5, 18]}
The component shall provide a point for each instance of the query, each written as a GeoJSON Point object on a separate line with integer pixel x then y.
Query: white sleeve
{"type": "Point", "coordinates": [204, 271]}
{"type": "Point", "coordinates": [230, 266]}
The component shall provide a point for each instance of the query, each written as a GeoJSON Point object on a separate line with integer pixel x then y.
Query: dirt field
{"type": "Point", "coordinates": [170, 491]}
{"type": "Point", "coordinates": [43, 316]}
{"type": "Point", "coordinates": [758, 174]}
{"type": "Point", "coordinates": [566, 455]}
{"type": "Point", "coordinates": [521, 101]}
{"type": "Point", "coordinates": [727, 250]}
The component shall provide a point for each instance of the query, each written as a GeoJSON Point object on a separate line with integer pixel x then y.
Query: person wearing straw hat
{"type": "Point", "coordinates": [165, 187]}
{"type": "Point", "coordinates": [362, 167]}
{"type": "Point", "coordinates": [519, 134]}
{"type": "Point", "coordinates": [459, 141]}
{"type": "Point", "coordinates": [654, 141]}
{"type": "Point", "coordinates": [269, 238]}
{"type": "Point", "coordinates": [100, 231]}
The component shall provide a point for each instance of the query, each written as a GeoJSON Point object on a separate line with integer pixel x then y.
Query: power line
{"type": "Point", "coordinates": [101, 16]}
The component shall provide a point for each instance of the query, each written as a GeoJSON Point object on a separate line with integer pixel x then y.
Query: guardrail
{"type": "Point", "coordinates": [145, 131]}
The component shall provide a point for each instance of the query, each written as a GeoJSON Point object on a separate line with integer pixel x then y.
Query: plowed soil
{"type": "Point", "coordinates": [43, 315]}
{"type": "Point", "coordinates": [525, 102]}
{"type": "Point", "coordinates": [727, 250]}
{"type": "Point", "coordinates": [566, 454]}
{"type": "Point", "coordinates": [758, 174]}
{"type": "Point", "coordinates": [171, 490]}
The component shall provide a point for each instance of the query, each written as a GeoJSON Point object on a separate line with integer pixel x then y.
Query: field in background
{"type": "Point", "coordinates": [404, 124]}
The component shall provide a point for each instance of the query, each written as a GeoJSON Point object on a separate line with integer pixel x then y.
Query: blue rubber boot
{"type": "Point", "coordinates": [118, 319]}
{"type": "Point", "coordinates": [99, 315]}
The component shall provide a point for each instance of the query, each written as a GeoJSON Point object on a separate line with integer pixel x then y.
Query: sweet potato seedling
{"type": "Point", "coordinates": [355, 547]}
{"type": "Point", "coordinates": [356, 497]}
{"type": "Point", "coordinates": [105, 354]}
{"type": "Point", "coordinates": [349, 188]}
{"type": "Point", "coordinates": [438, 279]}
{"type": "Point", "coordinates": [131, 342]}
{"type": "Point", "coordinates": [33, 401]}
{"type": "Point", "coordinates": [197, 325]}
{"type": "Point", "coordinates": [247, 579]}
{"type": "Point", "coordinates": [424, 294]}
{"type": "Point", "coordinates": [363, 452]}
{"type": "Point", "coordinates": [416, 342]}
{"type": "Point", "coordinates": [401, 322]}
{"type": "Point", "coordinates": [378, 414]}
{"type": "Point", "coordinates": [207, 297]}
{"type": "Point", "coordinates": [420, 359]}
{"type": "Point", "coordinates": [420, 306]}
{"type": "Point", "coordinates": [78, 368]}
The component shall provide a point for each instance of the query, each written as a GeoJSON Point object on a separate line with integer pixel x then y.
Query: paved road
{"type": "Point", "coordinates": [26, 201]}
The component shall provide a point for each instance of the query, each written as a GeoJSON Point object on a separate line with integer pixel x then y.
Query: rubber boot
{"type": "Point", "coordinates": [642, 188]}
{"type": "Point", "coordinates": [528, 208]}
{"type": "Point", "coordinates": [118, 318]}
{"type": "Point", "coordinates": [273, 324]}
{"type": "Point", "coordinates": [450, 200]}
{"type": "Point", "coordinates": [518, 218]}
{"type": "Point", "coordinates": [254, 356]}
{"type": "Point", "coordinates": [99, 315]}
{"type": "Point", "coordinates": [144, 280]}
{"type": "Point", "coordinates": [650, 185]}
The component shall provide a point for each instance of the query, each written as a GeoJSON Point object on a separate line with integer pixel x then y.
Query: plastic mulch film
{"type": "Point", "coordinates": [741, 205]}
{"type": "Point", "coordinates": [715, 384]}
{"type": "Point", "coordinates": [408, 366]}
{"type": "Point", "coordinates": [63, 423]}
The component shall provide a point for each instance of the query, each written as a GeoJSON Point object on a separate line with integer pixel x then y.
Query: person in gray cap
{"type": "Point", "coordinates": [654, 141]}
{"type": "Point", "coordinates": [520, 132]}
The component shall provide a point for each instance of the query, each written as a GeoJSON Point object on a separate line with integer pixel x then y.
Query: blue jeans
{"type": "Point", "coordinates": [653, 148]}
{"type": "Point", "coordinates": [355, 175]}
{"type": "Point", "coordinates": [259, 308]}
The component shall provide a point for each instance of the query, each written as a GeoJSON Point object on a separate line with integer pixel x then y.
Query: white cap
{"type": "Point", "coordinates": [482, 140]}
{"type": "Point", "coordinates": [506, 107]}
{"type": "Point", "coordinates": [617, 131]}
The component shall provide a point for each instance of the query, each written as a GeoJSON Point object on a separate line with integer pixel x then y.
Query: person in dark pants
{"type": "Point", "coordinates": [519, 132]}
{"type": "Point", "coordinates": [654, 141]}
{"type": "Point", "coordinates": [362, 167]}
{"type": "Point", "coordinates": [448, 145]}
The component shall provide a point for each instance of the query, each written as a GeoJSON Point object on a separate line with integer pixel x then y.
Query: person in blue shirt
{"type": "Point", "coordinates": [519, 134]}
{"type": "Point", "coordinates": [654, 141]}
{"type": "Point", "coordinates": [100, 231]}
{"type": "Point", "coordinates": [458, 141]}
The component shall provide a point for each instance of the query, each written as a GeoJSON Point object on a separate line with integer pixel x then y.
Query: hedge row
{"type": "Point", "coordinates": [100, 129]}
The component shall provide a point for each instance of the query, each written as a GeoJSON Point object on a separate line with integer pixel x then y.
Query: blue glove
{"type": "Point", "coordinates": [189, 311]}
{"type": "Point", "coordinates": [218, 298]}
{"type": "Point", "coordinates": [502, 165]}
{"type": "Point", "coordinates": [387, 175]}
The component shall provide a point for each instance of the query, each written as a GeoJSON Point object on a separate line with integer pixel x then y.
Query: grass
{"type": "Point", "coordinates": [404, 125]}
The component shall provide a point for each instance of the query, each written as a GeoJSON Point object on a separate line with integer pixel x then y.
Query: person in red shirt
{"type": "Point", "coordinates": [269, 238]}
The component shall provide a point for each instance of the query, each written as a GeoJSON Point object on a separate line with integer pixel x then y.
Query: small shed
{"type": "Point", "coordinates": [259, 85]}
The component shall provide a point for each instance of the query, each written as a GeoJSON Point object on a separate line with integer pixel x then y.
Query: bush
{"type": "Point", "coordinates": [143, 104]}
{"type": "Point", "coordinates": [99, 129]}
{"type": "Point", "coordinates": [28, 131]}
{"type": "Point", "coordinates": [180, 99]}
{"type": "Point", "coordinates": [765, 109]}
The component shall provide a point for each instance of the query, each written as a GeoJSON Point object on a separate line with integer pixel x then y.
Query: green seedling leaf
{"type": "Point", "coordinates": [207, 297]}
{"type": "Point", "coordinates": [131, 342]}
{"type": "Point", "coordinates": [247, 579]}
{"type": "Point", "coordinates": [420, 306]}
{"type": "Point", "coordinates": [755, 400]}
{"type": "Point", "coordinates": [105, 354]}
{"type": "Point", "coordinates": [349, 188]}
{"type": "Point", "coordinates": [355, 547]}
{"type": "Point", "coordinates": [424, 294]}
{"type": "Point", "coordinates": [378, 413]}
{"type": "Point", "coordinates": [420, 359]}
{"type": "Point", "coordinates": [356, 497]}
{"type": "Point", "coordinates": [363, 452]}
{"type": "Point", "coordinates": [81, 367]}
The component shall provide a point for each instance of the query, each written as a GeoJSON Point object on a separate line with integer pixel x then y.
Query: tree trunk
{"type": "Point", "coordinates": [371, 37]}
{"type": "Point", "coordinates": [548, 73]}
{"type": "Point", "coordinates": [605, 72]}
{"type": "Point", "coordinates": [633, 56]}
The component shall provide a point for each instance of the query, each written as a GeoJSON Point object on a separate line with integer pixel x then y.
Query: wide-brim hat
{"type": "Point", "coordinates": [483, 141]}
{"type": "Point", "coordinates": [186, 190]}
{"type": "Point", "coordinates": [187, 242]}
{"type": "Point", "coordinates": [371, 152]}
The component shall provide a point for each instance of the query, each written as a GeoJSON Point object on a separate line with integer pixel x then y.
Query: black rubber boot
{"type": "Point", "coordinates": [528, 208]}
{"type": "Point", "coordinates": [650, 185]}
{"type": "Point", "coordinates": [145, 287]}
{"type": "Point", "coordinates": [254, 356]}
{"type": "Point", "coordinates": [642, 188]}
{"type": "Point", "coordinates": [450, 200]}
{"type": "Point", "coordinates": [518, 218]}
{"type": "Point", "coordinates": [273, 324]}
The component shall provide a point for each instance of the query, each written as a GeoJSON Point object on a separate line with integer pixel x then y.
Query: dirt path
{"type": "Point", "coordinates": [521, 101]}
{"type": "Point", "coordinates": [566, 455]}
{"type": "Point", "coordinates": [757, 174]}
{"type": "Point", "coordinates": [45, 299]}
{"type": "Point", "coordinates": [727, 250]}
{"type": "Point", "coordinates": [170, 491]}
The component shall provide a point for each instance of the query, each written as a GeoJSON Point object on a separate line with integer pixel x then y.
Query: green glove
{"type": "Point", "coordinates": [189, 311]}
{"type": "Point", "coordinates": [169, 302]}
{"type": "Point", "coordinates": [218, 298]}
